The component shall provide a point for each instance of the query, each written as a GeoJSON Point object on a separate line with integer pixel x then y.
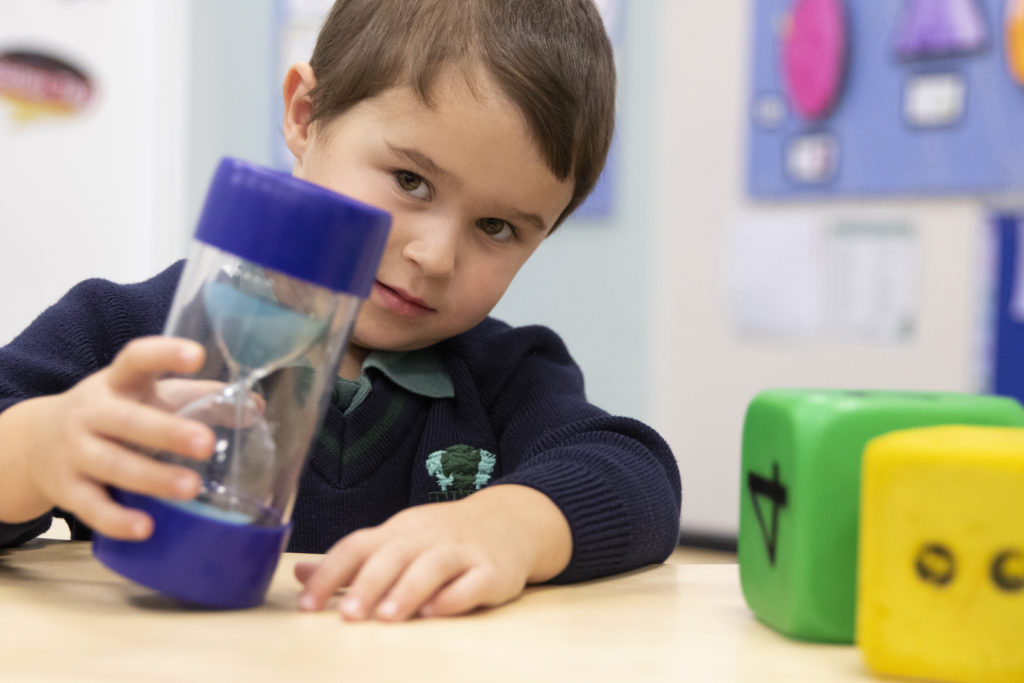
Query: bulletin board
{"type": "Point", "coordinates": [902, 97]}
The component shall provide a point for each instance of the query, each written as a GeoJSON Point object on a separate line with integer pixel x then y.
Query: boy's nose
{"type": "Point", "coordinates": [432, 245]}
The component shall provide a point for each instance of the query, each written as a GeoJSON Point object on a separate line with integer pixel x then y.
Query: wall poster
{"type": "Point", "coordinates": [903, 97]}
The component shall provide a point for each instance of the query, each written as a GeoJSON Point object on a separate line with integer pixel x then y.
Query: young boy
{"type": "Point", "coordinates": [479, 125]}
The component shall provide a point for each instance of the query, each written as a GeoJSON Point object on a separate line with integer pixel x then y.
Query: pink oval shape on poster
{"type": "Point", "coordinates": [814, 56]}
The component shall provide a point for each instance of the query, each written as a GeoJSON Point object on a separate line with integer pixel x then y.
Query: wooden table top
{"type": "Point", "coordinates": [64, 616]}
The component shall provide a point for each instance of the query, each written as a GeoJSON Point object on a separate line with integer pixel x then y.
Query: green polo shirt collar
{"type": "Point", "coordinates": [421, 372]}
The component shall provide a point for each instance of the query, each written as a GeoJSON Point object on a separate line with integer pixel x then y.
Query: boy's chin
{"type": "Point", "coordinates": [364, 347]}
{"type": "Point", "coordinates": [369, 339]}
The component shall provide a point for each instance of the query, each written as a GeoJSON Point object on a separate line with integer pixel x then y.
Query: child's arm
{"type": "Point", "coordinates": [61, 450]}
{"type": "Point", "coordinates": [578, 494]}
{"type": "Point", "coordinates": [444, 558]}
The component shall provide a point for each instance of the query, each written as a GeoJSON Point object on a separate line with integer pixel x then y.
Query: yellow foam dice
{"type": "Point", "coordinates": [941, 554]}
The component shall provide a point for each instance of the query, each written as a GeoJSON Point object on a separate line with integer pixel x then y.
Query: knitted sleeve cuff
{"type": "Point", "coordinates": [598, 519]}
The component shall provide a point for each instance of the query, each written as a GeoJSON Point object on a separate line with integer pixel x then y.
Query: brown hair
{"type": "Point", "coordinates": [551, 57]}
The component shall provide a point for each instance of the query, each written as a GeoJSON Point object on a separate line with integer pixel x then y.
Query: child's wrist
{"type": "Point", "coordinates": [540, 525]}
{"type": "Point", "coordinates": [21, 500]}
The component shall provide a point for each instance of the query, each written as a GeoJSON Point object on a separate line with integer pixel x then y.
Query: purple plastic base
{"type": "Point", "coordinates": [194, 557]}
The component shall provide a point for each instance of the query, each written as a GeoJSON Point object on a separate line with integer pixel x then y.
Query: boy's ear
{"type": "Point", "coordinates": [297, 85]}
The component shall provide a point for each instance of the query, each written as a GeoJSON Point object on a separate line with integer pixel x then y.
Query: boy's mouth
{"type": "Point", "coordinates": [399, 301]}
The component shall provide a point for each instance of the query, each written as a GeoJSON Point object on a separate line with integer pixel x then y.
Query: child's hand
{"type": "Point", "coordinates": [70, 446]}
{"type": "Point", "coordinates": [443, 559]}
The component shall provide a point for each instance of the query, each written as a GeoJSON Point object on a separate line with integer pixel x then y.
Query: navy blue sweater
{"type": "Point", "coordinates": [518, 400]}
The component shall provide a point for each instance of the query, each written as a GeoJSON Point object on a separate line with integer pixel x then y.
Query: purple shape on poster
{"type": "Point", "coordinates": [940, 28]}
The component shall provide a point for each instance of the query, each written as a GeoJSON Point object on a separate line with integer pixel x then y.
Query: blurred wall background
{"type": "Point", "coordinates": [642, 292]}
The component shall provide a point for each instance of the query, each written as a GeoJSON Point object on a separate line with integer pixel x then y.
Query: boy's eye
{"type": "Point", "coordinates": [413, 184]}
{"type": "Point", "coordinates": [499, 229]}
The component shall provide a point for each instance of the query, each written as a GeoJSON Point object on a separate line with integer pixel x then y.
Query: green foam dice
{"type": "Point", "coordinates": [800, 495]}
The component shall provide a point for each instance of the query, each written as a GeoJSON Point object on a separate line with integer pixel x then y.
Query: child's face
{"type": "Point", "coordinates": [470, 196]}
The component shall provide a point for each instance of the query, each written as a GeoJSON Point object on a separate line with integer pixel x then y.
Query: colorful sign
{"type": "Point", "coordinates": [38, 84]}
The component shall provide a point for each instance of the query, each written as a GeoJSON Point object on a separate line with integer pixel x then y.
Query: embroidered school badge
{"type": "Point", "coordinates": [460, 470]}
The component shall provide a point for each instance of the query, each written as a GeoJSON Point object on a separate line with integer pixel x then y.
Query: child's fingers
{"type": "Point", "coordinates": [111, 463]}
{"type": "Point", "coordinates": [303, 570]}
{"type": "Point", "coordinates": [467, 592]}
{"type": "Point", "coordinates": [375, 577]}
{"type": "Point", "coordinates": [91, 504]}
{"type": "Point", "coordinates": [427, 573]}
{"type": "Point", "coordinates": [175, 393]}
{"type": "Point", "coordinates": [337, 568]}
{"type": "Point", "coordinates": [197, 399]}
{"type": "Point", "coordinates": [239, 414]}
{"type": "Point", "coordinates": [153, 429]}
{"type": "Point", "coordinates": [143, 359]}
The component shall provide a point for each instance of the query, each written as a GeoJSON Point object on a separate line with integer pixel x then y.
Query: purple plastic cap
{"type": "Point", "coordinates": [303, 230]}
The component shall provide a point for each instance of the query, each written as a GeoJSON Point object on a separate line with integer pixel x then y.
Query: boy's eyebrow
{"type": "Point", "coordinates": [530, 219]}
{"type": "Point", "coordinates": [422, 160]}
{"type": "Point", "coordinates": [428, 165]}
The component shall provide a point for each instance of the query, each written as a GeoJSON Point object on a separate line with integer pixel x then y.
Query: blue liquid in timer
{"type": "Point", "coordinates": [256, 336]}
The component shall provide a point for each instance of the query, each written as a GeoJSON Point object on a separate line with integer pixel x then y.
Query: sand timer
{"type": "Point", "coordinates": [271, 287]}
